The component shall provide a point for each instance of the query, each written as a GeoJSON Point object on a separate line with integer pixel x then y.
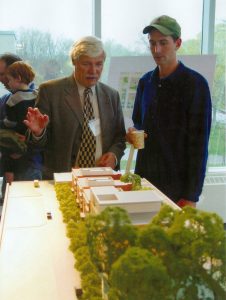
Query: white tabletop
{"type": "Point", "coordinates": [35, 263]}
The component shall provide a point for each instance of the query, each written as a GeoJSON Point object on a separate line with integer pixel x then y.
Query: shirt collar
{"type": "Point", "coordinates": [171, 77]}
{"type": "Point", "coordinates": [81, 89]}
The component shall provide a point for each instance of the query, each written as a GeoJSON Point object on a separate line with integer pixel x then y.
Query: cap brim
{"type": "Point", "coordinates": [160, 28]}
{"type": "Point", "coordinates": [147, 29]}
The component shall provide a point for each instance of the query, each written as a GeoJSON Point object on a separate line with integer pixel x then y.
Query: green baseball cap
{"type": "Point", "coordinates": [166, 25]}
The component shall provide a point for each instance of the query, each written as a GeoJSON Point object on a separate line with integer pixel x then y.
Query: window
{"type": "Point", "coordinates": [45, 31]}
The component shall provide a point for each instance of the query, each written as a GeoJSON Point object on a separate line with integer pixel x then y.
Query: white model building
{"type": "Point", "coordinates": [97, 188]}
{"type": "Point", "coordinates": [140, 205]}
{"type": "Point", "coordinates": [98, 171]}
{"type": "Point", "coordinates": [78, 173]}
{"type": "Point", "coordinates": [82, 184]}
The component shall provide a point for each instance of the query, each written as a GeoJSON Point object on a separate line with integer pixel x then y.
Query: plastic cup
{"type": "Point", "coordinates": [138, 139]}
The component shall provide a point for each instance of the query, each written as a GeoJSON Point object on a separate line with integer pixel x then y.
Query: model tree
{"type": "Point", "coordinates": [192, 247]}
{"type": "Point", "coordinates": [67, 202]}
{"type": "Point", "coordinates": [138, 274]}
{"type": "Point", "coordinates": [76, 231]}
{"type": "Point", "coordinates": [109, 234]}
{"type": "Point", "coordinates": [180, 255]}
{"type": "Point", "coordinates": [134, 179]}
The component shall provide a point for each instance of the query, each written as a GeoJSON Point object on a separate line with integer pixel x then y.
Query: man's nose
{"type": "Point", "coordinates": [92, 69]}
{"type": "Point", "coordinates": [157, 48]}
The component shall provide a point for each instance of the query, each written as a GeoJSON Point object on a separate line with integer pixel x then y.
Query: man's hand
{"type": "Point", "coordinates": [130, 136]}
{"type": "Point", "coordinates": [9, 177]}
{"type": "Point", "coordinates": [183, 202]}
{"type": "Point", "coordinates": [36, 121]}
{"type": "Point", "coordinates": [107, 160]}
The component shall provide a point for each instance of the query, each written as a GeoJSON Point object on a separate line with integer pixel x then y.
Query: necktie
{"type": "Point", "coordinates": [87, 149]}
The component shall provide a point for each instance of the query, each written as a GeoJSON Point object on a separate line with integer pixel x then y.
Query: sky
{"type": "Point", "coordinates": [122, 20]}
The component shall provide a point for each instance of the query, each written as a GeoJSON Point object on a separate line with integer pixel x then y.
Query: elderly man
{"type": "Point", "coordinates": [173, 106]}
{"type": "Point", "coordinates": [78, 119]}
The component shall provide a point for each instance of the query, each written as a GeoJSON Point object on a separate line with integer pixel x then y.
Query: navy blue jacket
{"type": "Point", "coordinates": [175, 112]}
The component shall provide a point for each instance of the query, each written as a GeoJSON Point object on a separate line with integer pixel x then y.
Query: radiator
{"type": "Point", "coordinates": [213, 198]}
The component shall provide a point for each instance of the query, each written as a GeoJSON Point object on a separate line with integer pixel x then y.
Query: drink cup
{"type": "Point", "coordinates": [137, 137]}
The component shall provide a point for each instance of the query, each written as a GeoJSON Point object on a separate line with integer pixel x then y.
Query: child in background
{"type": "Point", "coordinates": [20, 166]}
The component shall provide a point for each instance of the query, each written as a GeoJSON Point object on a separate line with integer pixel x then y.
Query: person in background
{"type": "Point", "coordinates": [78, 119]}
{"type": "Point", "coordinates": [19, 166]}
{"type": "Point", "coordinates": [173, 107]}
{"type": "Point", "coordinates": [6, 60]}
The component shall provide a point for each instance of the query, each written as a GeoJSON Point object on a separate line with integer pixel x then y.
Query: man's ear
{"type": "Point", "coordinates": [178, 43]}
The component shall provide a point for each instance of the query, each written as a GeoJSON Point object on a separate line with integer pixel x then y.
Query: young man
{"type": "Point", "coordinates": [61, 123]}
{"type": "Point", "coordinates": [173, 106]}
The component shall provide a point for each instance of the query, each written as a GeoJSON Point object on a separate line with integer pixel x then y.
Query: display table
{"type": "Point", "coordinates": [35, 263]}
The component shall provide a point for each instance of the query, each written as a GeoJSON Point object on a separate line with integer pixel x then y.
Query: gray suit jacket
{"type": "Point", "coordinates": [59, 99]}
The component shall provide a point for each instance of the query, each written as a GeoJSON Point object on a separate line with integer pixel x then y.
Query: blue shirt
{"type": "Point", "coordinates": [175, 112]}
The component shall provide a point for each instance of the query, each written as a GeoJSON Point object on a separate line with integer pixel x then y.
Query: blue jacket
{"type": "Point", "coordinates": [175, 112]}
{"type": "Point", "coordinates": [13, 109]}
{"type": "Point", "coordinates": [3, 100]}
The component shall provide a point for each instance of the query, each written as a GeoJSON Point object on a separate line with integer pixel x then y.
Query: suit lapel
{"type": "Point", "coordinates": [72, 98]}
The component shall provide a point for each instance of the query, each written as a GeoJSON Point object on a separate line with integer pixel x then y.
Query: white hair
{"type": "Point", "coordinates": [88, 45]}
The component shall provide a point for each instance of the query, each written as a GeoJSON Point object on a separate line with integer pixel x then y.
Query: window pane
{"type": "Point", "coordinates": [123, 22]}
{"type": "Point", "coordinates": [217, 150]}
